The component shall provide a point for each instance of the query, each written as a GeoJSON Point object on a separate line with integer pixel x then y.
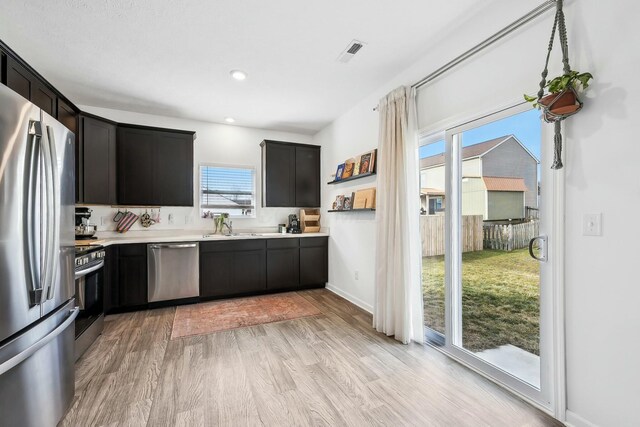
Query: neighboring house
{"type": "Point", "coordinates": [432, 201]}
{"type": "Point", "coordinates": [500, 179]}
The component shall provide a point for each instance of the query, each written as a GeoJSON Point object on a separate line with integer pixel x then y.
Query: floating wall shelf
{"type": "Point", "coordinates": [351, 178]}
{"type": "Point", "coordinates": [353, 210]}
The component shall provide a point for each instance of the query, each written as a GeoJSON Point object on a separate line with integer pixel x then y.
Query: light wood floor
{"type": "Point", "coordinates": [332, 369]}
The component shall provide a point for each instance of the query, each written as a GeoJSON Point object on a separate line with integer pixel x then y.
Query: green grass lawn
{"type": "Point", "coordinates": [500, 299]}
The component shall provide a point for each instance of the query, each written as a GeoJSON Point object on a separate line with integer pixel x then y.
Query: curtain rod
{"type": "Point", "coordinates": [549, 4]}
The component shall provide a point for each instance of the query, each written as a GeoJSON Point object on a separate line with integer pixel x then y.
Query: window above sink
{"type": "Point", "coordinates": [228, 189]}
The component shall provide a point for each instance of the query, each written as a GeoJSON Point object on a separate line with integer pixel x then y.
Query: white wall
{"type": "Point", "coordinates": [215, 143]}
{"type": "Point", "coordinates": [601, 157]}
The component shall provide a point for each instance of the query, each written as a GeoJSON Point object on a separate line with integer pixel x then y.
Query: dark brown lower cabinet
{"type": "Point", "coordinates": [111, 295]}
{"type": "Point", "coordinates": [132, 275]}
{"type": "Point", "coordinates": [314, 261]}
{"type": "Point", "coordinates": [283, 264]}
{"type": "Point", "coordinates": [232, 268]}
{"type": "Point", "coordinates": [227, 268]}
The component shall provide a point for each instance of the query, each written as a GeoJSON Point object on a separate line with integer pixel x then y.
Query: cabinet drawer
{"type": "Point", "coordinates": [283, 242]}
{"type": "Point", "coordinates": [134, 249]}
{"type": "Point", "coordinates": [306, 242]}
{"type": "Point", "coordinates": [233, 245]}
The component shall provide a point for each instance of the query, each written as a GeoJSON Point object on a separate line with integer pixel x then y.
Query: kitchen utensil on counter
{"type": "Point", "coordinates": [84, 231]}
{"type": "Point", "coordinates": [294, 225]}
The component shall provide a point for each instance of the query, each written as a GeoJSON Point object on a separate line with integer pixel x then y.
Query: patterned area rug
{"type": "Point", "coordinates": [215, 316]}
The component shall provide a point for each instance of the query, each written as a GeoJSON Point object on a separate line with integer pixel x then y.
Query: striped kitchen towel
{"type": "Point", "coordinates": [126, 222]}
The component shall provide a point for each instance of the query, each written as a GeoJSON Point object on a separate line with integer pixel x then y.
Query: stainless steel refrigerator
{"type": "Point", "coordinates": [37, 308]}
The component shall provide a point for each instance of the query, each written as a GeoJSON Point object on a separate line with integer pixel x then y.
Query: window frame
{"type": "Point", "coordinates": [253, 169]}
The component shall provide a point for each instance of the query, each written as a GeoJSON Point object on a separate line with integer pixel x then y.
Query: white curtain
{"type": "Point", "coordinates": [398, 300]}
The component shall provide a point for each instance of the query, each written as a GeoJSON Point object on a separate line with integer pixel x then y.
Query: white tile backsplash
{"type": "Point", "coordinates": [188, 218]}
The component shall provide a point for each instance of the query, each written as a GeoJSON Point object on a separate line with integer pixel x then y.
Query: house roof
{"type": "Point", "coordinates": [475, 150]}
{"type": "Point", "coordinates": [498, 183]}
{"type": "Point", "coordinates": [428, 191]}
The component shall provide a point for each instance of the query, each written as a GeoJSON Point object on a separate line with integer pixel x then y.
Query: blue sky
{"type": "Point", "coordinates": [526, 126]}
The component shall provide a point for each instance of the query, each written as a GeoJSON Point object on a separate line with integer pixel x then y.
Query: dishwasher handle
{"type": "Point", "coordinates": [174, 246]}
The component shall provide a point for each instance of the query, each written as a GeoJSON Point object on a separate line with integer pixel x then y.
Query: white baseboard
{"type": "Point", "coordinates": [357, 301]}
{"type": "Point", "coordinates": [575, 420]}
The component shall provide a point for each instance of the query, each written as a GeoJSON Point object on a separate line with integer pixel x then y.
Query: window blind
{"type": "Point", "coordinates": [227, 189]}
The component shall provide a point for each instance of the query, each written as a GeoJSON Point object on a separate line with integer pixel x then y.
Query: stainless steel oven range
{"type": "Point", "coordinates": [89, 274]}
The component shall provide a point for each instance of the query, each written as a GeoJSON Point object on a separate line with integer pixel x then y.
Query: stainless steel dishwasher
{"type": "Point", "coordinates": [173, 271]}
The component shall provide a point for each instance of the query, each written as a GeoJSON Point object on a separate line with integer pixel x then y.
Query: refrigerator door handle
{"type": "Point", "coordinates": [29, 351]}
{"type": "Point", "coordinates": [50, 258]}
{"type": "Point", "coordinates": [30, 238]}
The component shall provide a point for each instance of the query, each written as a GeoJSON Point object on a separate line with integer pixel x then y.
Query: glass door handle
{"type": "Point", "coordinates": [543, 248]}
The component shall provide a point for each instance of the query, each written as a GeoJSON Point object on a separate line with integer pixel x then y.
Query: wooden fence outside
{"type": "Point", "coordinates": [432, 233]}
{"type": "Point", "coordinates": [507, 237]}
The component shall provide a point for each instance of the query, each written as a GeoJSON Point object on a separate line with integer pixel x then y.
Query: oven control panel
{"type": "Point", "coordinates": [89, 258]}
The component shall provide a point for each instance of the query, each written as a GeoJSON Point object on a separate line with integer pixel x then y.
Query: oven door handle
{"type": "Point", "coordinates": [82, 273]}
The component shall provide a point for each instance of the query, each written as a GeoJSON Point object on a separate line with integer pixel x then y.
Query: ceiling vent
{"type": "Point", "coordinates": [351, 50]}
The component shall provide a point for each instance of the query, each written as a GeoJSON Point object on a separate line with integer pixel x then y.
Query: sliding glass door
{"type": "Point", "coordinates": [485, 228]}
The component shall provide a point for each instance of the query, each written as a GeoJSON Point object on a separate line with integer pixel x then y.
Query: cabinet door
{"type": "Point", "coordinates": [98, 161]}
{"type": "Point", "coordinates": [19, 79]}
{"type": "Point", "coordinates": [111, 294]}
{"type": "Point", "coordinates": [135, 167]}
{"type": "Point", "coordinates": [132, 275]}
{"type": "Point", "coordinates": [314, 268]}
{"type": "Point", "coordinates": [283, 268]}
{"type": "Point", "coordinates": [216, 274]}
{"type": "Point", "coordinates": [249, 271]}
{"type": "Point", "coordinates": [43, 98]}
{"type": "Point", "coordinates": [68, 117]}
{"type": "Point", "coordinates": [279, 181]}
{"type": "Point", "coordinates": [307, 177]}
{"type": "Point", "coordinates": [174, 169]}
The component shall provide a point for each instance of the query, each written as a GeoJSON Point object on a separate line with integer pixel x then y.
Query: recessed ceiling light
{"type": "Point", "coordinates": [238, 74]}
{"type": "Point", "coordinates": [229, 119]}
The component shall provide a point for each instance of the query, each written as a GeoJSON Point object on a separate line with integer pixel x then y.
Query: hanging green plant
{"type": "Point", "coordinates": [559, 95]}
{"type": "Point", "coordinates": [558, 98]}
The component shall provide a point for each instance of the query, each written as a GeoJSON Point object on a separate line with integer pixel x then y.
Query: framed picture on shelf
{"type": "Point", "coordinates": [356, 168]}
{"type": "Point", "coordinates": [348, 170]}
{"type": "Point", "coordinates": [348, 202]}
{"type": "Point", "coordinates": [339, 172]}
{"type": "Point", "coordinates": [339, 203]}
{"type": "Point", "coordinates": [367, 162]}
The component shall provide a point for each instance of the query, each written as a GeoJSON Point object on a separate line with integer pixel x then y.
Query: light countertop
{"type": "Point", "coordinates": [114, 238]}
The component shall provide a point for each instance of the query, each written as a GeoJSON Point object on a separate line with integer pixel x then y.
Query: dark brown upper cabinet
{"type": "Point", "coordinates": [23, 81]}
{"type": "Point", "coordinates": [44, 98]}
{"type": "Point", "coordinates": [18, 78]}
{"type": "Point", "coordinates": [290, 174]}
{"type": "Point", "coordinates": [155, 166]}
{"type": "Point", "coordinates": [68, 116]}
{"type": "Point", "coordinates": [96, 154]}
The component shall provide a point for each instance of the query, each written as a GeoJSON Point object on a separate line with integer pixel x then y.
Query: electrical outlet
{"type": "Point", "coordinates": [104, 220]}
{"type": "Point", "coordinates": [170, 219]}
{"type": "Point", "coordinates": [592, 224]}
{"type": "Point", "coordinates": [357, 275]}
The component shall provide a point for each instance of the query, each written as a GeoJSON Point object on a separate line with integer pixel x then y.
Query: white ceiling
{"type": "Point", "coordinates": [173, 57]}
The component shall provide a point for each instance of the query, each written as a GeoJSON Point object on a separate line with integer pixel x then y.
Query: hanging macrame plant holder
{"type": "Point", "coordinates": [558, 106]}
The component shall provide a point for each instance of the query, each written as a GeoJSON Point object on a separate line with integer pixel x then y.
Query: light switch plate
{"type": "Point", "coordinates": [592, 224]}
